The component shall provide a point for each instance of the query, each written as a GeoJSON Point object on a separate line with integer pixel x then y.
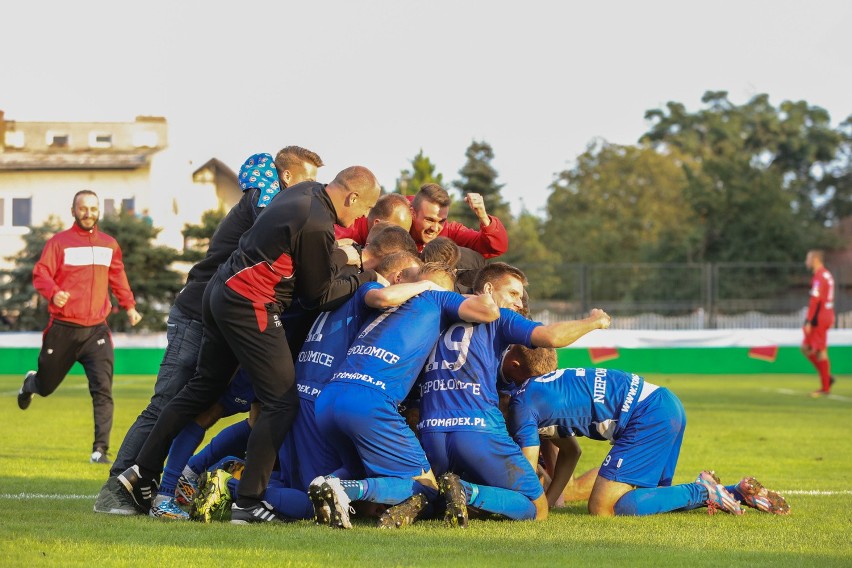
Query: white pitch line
{"type": "Point", "coordinates": [791, 392]}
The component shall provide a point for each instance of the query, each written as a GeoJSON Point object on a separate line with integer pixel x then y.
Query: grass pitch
{"type": "Point", "coordinates": [761, 425]}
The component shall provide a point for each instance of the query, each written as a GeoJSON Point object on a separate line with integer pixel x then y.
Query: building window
{"type": "Point", "coordinates": [57, 139]}
{"type": "Point", "coordinates": [129, 205]}
{"type": "Point", "coordinates": [22, 212]}
{"type": "Point", "coordinates": [14, 139]}
{"type": "Point", "coordinates": [109, 207]}
{"type": "Point", "coordinates": [100, 140]}
{"type": "Point", "coordinates": [2, 212]}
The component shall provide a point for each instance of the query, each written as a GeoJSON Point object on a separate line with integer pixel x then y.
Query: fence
{"type": "Point", "coordinates": [736, 295]}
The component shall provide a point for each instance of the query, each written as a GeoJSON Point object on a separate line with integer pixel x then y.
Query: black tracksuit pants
{"type": "Point", "coordinates": [63, 344]}
{"type": "Point", "coordinates": [236, 333]}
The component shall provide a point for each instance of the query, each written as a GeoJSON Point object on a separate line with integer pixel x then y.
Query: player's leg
{"type": "Point", "coordinates": [496, 477]}
{"type": "Point", "coordinates": [819, 342]}
{"type": "Point", "coordinates": [645, 457]}
{"type": "Point", "coordinates": [98, 359]}
{"type": "Point", "coordinates": [58, 353]}
{"type": "Point", "coordinates": [183, 336]}
{"type": "Point", "coordinates": [395, 465]}
{"type": "Point", "coordinates": [312, 454]}
{"type": "Point", "coordinates": [262, 349]}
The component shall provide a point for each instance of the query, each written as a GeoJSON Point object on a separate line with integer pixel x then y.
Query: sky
{"type": "Point", "coordinates": [374, 82]}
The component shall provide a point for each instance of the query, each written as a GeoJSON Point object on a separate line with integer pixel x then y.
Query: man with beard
{"type": "Point", "coordinates": [77, 269]}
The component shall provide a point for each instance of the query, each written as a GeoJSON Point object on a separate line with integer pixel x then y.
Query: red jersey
{"type": "Point", "coordinates": [489, 241]}
{"type": "Point", "coordinates": [821, 306]}
{"type": "Point", "coordinates": [87, 264]}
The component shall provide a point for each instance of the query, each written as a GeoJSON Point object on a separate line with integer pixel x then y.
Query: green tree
{"type": "Point", "coordinates": [23, 307]}
{"type": "Point", "coordinates": [621, 204]}
{"type": "Point", "coordinates": [197, 237]}
{"type": "Point", "coordinates": [756, 172]}
{"type": "Point", "coordinates": [835, 187]}
{"type": "Point", "coordinates": [479, 176]}
{"type": "Point", "coordinates": [153, 283]}
{"type": "Point", "coordinates": [422, 172]}
{"type": "Point", "coordinates": [529, 253]}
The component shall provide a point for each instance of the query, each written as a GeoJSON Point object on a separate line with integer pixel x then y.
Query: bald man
{"type": "Point", "coordinates": [285, 257]}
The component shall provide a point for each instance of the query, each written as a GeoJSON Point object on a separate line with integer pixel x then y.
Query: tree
{"type": "Point", "coordinates": [529, 253]}
{"type": "Point", "coordinates": [755, 169]}
{"type": "Point", "coordinates": [24, 308]}
{"type": "Point", "coordinates": [197, 237]}
{"type": "Point", "coordinates": [621, 204]}
{"type": "Point", "coordinates": [153, 283]}
{"type": "Point", "coordinates": [479, 176]}
{"type": "Point", "coordinates": [422, 172]}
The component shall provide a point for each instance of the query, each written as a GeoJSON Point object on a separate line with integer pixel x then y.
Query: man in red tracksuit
{"type": "Point", "coordinates": [429, 208]}
{"type": "Point", "coordinates": [76, 270]}
{"type": "Point", "coordinates": [819, 320]}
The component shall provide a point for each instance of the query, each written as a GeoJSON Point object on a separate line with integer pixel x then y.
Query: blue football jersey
{"type": "Point", "coordinates": [458, 387]}
{"type": "Point", "coordinates": [391, 349]}
{"type": "Point", "coordinates": [596, 403]}
{"type": "Point", "coordinates": [328, 339]}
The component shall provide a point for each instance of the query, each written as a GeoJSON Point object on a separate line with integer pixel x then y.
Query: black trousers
{"type": "Point", "coordinates": [236, 333]}
{"type": "Point", "coordinates": [62, 345]}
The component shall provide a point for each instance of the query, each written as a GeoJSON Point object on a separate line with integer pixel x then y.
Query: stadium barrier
{"type": "Point", "coordinates": [727, 351]}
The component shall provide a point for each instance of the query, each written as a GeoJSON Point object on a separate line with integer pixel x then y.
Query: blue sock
{"type": "Point", "coordinates": [662, 500]}
{"type": "Point", "coordinates": [183, 447]}
{"type": "Point", "coordinates": [734, 490]}
{"type": "Point", "coordinates": [290, 503]}
{"type": "Point", "coordinates": [354, 489]}
{"type": "Point", "coordinates": [393, 490]}
{"type": "Point", "coordinates": [499, 501]}
{"type": "Point", "coordinates": [231, 441]}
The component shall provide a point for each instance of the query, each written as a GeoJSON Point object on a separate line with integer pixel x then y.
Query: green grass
{"type": "Point", "coordinates": [762, 425]}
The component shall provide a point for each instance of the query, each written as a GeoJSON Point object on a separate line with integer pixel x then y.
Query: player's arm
{"type": "Point", "coordinates": [566, 462]}
{"type": "Point", "coordinates": [564, 333]}
{"type": "Point", "coordinates": [479, 309]}
{"type": "Point", "coordinates": [490, 240]}
{"type": "Point", "coordinates": [120, 286]}
{"type": "Point", "coordinates": [45, 270]}
{"type": "Point", "coordinates": [395, 295]}
{"type": "Point", "coordinates": [531, 453]}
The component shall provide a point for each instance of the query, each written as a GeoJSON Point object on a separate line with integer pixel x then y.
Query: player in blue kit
{"type": "Point", "coordinates": [461, 427]}
{"type": "Point", "coordinates": [643, 422]}
{"type": "Point", "coordinates": [357, 410]}
{"type": "Point", "coordinates": [324, 351]}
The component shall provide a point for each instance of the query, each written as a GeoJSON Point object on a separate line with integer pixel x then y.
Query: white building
{"type": "Point", "coordinates": [43, 164]}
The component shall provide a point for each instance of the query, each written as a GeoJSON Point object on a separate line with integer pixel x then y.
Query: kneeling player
{"type": "Point", "coordinates": [645, 424]}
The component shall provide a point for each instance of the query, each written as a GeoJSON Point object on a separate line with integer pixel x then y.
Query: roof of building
{"type": "Point", "coordinates": [10, 161]}
{"type": "Point", "coordinates": [216, 165]}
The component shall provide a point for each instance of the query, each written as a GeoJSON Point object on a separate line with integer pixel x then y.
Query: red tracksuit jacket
{"type": "Point", "coordinates": [86, 264]}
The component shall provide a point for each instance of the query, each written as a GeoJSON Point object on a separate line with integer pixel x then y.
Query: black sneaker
{"type": "Point", "coordinates": [449, 485]}
{"type": "Point", "coordinates": [141, 490]}
{"type": "Point", "coordinates": [25, 397]}
{"type": "Point", "coordinates": [403, 514]}
{"type": "Point", "coordinates": [260, 513]}
{"type": "Point", "coordinates": [100, 456]}
{"type": "Point", "coordinates": [114, 500]}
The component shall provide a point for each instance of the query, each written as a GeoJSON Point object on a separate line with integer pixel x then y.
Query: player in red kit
{"type": "Point", "coordinates": [819, 319]}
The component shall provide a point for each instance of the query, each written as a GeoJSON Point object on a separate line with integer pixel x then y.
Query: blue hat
{"type": "Point", "coordinates": [258, 172]}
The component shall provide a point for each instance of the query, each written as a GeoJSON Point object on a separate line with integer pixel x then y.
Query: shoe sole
{"type": "Point", "coordinates": [763, 499]}
{"type": "Point", "coordinates": [339, 519]}
{"type": "Point", "coordinates": [403, 514]}
{"type": "Point", "coordinates": [210, 500]}
{"type": "Point", "coordinates": [116, 511]}
{"type": "Point", "coordinates": [322, 514]}
{"type": "Point", "coordinates": [450, 487]}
